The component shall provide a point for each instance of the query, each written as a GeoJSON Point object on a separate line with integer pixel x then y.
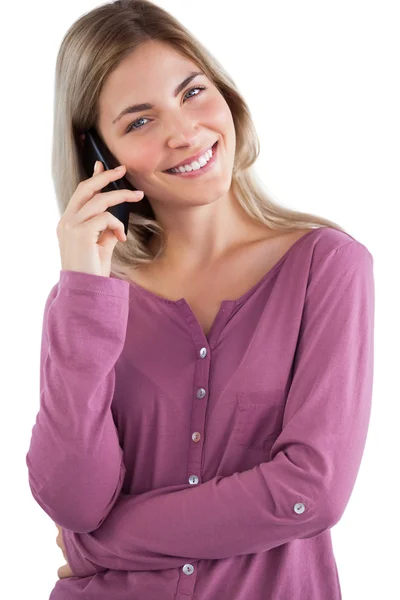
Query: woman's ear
{"type": "Point", "coordinates": [82, 137]}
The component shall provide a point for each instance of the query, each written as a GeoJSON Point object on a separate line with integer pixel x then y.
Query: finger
{"type": "Point", "coordinates": [101, 176]}
{"type": "Point", "coordinates": [101, 223]}
{"type": "Point", "coordinates": [108, 239]}
{"type": "Point", "coordinates": [65, 571]}
{"type": "Point", "coordinates": [100, 203]}
{"type": "Point", "coordinates": [106, 199]}
{"type": "Point", "coordinates": [87, 188]}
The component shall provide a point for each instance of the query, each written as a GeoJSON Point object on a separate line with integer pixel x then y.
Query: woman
{"type": "Point", "coordinates": [206, 384]}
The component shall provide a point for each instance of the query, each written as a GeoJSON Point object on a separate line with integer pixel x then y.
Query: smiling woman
{"type": "Point", "coordinates": [133, 58]}
{"type": "Point", "coordinates": [191, 440]}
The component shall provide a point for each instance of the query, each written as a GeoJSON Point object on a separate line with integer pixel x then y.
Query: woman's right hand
{"type": "Point", "coordinates": [87, 232]}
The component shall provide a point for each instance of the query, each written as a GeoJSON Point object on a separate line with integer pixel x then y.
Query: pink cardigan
{"type": "Point", "coordinates": [183, 466]}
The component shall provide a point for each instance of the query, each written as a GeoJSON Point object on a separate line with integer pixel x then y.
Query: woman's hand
{"type": "Point", "coordinates": [86, 216]}
{"type": "Point", "coordinates": [65, 570]}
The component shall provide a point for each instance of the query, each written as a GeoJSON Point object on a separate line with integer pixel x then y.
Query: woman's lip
{"type": "Point", "coordinates": [202, 172]}
{"type": "Point", "coordinates": [168, 170]}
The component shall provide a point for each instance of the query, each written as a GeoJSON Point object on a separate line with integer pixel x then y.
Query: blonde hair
{"type": "Point", "coordinates": [91, 49]}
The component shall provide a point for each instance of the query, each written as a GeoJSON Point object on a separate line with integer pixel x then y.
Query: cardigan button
{"type": "Point", "coordinates": [188, 569]}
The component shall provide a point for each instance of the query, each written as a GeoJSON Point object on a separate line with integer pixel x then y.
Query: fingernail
{"type": "Point", "coordinates": [95, 166]}
{"type": "Point", "coordinates": [120, 168]}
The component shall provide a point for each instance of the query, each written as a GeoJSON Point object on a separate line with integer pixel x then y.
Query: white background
{"type": "Point", "coordinates": [322, 82]}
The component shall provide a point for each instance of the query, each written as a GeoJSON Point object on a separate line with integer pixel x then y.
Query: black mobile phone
{"type": "Point", "coordinates": [95, 149]}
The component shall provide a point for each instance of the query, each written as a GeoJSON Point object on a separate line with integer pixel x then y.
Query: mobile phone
{"type": "Point", "coordinates": [95, 149]}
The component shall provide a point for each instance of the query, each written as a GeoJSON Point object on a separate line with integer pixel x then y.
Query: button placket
{"type": "Point", "coordinates": [201, 392]}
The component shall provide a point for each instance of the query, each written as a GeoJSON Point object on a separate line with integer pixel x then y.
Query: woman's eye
{"type": "Point", "coordinates": [131, 125]}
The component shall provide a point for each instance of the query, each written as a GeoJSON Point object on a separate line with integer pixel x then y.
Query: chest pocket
{"type": "Point", "coordinates": [259, 419]}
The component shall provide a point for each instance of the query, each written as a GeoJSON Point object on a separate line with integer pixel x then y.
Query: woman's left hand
{"type": "Point", "coordinates": [65, 570]}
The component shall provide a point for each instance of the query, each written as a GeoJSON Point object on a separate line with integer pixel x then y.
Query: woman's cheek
{"type": "Point", "coordinates": [142, 165]}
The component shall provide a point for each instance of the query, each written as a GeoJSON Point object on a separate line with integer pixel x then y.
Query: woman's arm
{"type": "Point", "coordinates": [75, 462]}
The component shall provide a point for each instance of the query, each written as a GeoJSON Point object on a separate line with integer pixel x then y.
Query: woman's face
{"type": "Point", "coordinates": [152, 140]}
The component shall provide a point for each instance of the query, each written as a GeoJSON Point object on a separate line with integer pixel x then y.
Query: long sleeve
{"type": "Point", "coordinates": [305, 487]}
{"type": "Point", "coordinates": [75, 462]}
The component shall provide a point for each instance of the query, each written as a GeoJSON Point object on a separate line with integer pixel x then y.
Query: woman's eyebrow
{"type": "Point", "coordinates": [147, 106]}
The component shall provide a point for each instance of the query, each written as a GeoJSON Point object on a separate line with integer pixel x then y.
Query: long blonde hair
{"type": "Point", "coordinates": [91, 49]}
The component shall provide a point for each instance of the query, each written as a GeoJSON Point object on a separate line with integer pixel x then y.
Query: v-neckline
{"type": "Point", "coordinates": [246, 294]}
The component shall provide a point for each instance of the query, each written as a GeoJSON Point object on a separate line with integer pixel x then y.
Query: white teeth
{"type": "Point", "coordinates": [195, 165]}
